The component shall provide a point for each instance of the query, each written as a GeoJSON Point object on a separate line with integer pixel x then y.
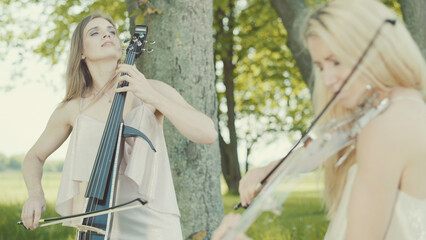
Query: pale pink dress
{"type": "Point", "coordinates": [408, 220]}
{"type": "Point", "coordinates": [143, 174]}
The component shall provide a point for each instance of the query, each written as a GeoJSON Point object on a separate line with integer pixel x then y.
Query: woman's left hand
{"type": "Point", "coordinates": [138, 84]}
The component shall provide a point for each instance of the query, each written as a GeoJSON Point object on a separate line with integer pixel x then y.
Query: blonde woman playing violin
{"type": "Point", "coordinates": [378, 192]}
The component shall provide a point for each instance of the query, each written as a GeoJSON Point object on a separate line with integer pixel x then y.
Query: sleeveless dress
{"type": "Point", "coordinates": [143, 174]}
{"type": "Point", "coordinates": [408, 221]}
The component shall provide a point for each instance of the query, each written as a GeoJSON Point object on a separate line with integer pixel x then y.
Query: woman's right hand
{"type": "Point", "coordinates": [32, 210]}
{"type": "Point", "coordinates": [249, 185]}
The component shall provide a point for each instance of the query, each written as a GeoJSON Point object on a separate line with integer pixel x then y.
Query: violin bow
{"type": "Point", "coordinates": [305, 135]}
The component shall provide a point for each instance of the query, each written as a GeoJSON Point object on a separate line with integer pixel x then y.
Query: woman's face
{"type": "Point", "coordinates": [100, 41]}
{"type": "Point", "coordinates": [333, 73]}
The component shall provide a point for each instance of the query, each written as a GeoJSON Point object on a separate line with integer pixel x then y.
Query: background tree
{"type": "Point", "coordinates": [224, 25]}
{"type": "Point", "coordinates": [4, 162]}
{"type": "Point", "coordinates": [183, 58]}
{"type": "Point", "coordinates": [258, 84]}
{"type": "Point", "coordinates": [414, 13]}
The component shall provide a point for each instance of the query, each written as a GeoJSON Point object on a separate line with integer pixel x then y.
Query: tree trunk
{"type": "Point", "coordinates": [183, 58]}
{"type": "Point", "coordinates": [292, 13]}
{"type": "Point", "coordinates": [414, 12]}
{"type": "Point", "coordinates": [229, 151]}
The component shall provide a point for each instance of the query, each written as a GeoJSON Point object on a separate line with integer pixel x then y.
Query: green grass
{"type": "Point", "coordinates": [303, 216]}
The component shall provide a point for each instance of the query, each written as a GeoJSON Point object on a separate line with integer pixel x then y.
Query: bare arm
{"type": "Point", "coordinates": [55, 133]}
{"type": "Point", "coordinates": [381, 159]}
{"type": "Point", "coordinates": [193, 124]}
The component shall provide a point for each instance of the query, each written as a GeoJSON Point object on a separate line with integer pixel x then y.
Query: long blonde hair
{"type": "Point", "coordinates": [78, 78]}
{"type": "Point", "coordinates": [347, 27]}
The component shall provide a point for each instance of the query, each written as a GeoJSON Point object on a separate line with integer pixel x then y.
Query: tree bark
{"type": "Point", "coordinates": [183, 58]}
{"type": "Point", "coordinates": [414, 13]}
{"type": "Point", "coordinates": [292, 14]}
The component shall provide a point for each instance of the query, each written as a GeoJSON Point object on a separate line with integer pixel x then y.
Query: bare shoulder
{"type": "Point", "coordinates": [389, 137]}
{"type": "Point", "coordinates": [65, 113]}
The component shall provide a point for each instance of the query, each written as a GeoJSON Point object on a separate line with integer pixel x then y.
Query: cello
{"type": "Point", "coordinates": [102, 186]}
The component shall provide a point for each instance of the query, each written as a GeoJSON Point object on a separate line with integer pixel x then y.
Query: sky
{"type": "Point", "coordinates": [25, 109]}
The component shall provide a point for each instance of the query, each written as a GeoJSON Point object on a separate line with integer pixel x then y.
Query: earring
{"type": "Point", "coordinates": [83, 57]}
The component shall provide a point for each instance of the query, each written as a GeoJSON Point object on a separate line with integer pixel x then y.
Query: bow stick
{"type": "Point", "coordinates": [114, 209]}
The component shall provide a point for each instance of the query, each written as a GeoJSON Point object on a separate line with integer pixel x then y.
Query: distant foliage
{"type": "Point", "coordinates": [11, 163]}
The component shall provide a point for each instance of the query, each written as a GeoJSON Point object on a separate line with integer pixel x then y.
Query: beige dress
{"type": "Point", "coordinates": [408, 220]}
{"type": "Point", "coordinates": [143, 174]}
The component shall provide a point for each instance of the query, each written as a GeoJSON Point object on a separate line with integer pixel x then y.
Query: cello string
{"type": "Point", "coordinates": [111, 129]}
{"type": "Point", "coordinates": [113, 119]}
{"type": "Point", "coordinates": [112, 125]}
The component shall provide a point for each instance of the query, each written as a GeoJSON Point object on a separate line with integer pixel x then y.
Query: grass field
{"type": "Point", "coordinates": [303, 217]}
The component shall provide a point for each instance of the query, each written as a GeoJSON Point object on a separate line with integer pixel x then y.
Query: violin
{"type": "Point", "coordinates": [311, 151]}
{"type": "Point", "coordinates": [332, 138]}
